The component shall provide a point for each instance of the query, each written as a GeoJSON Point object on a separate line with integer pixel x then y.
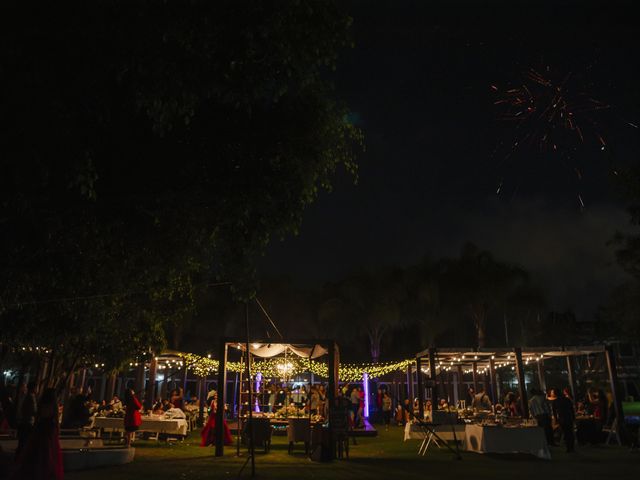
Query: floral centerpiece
{"type": "Point", "coordinates": [290, 411]}
{"type": "Point", "coordinates": [115, 413]}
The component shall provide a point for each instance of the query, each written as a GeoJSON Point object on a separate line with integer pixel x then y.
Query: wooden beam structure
{"type": "Point", "coordinates": [420, 387]}
{"type": "Point", "coordinates": [522, 387]}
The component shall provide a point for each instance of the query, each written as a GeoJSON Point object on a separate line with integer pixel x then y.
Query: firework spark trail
{"type": "Point", "coordinates": [550, 115]}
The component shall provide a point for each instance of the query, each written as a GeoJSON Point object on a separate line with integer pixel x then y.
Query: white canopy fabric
{"type": "Point", "coordinates": [273, 349]}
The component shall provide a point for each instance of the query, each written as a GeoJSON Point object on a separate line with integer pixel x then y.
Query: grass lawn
{"type": "Point", "coordinates": [631, 408]}
{"type": "Point", "coordinates": [386, 456]}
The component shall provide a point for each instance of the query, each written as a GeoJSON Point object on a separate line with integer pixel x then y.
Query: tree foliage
{"type": "Point", "coordinates": [152, 147]}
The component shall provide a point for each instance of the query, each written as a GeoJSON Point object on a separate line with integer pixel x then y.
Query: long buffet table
{"type": "Point", "coordinates": [501, 439]}
{"type": "Point", "coordinates": [152, 423]}
{"type": "Point", "coordinates": [413, 431]}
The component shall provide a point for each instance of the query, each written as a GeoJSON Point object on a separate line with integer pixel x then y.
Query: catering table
{"type": "Point", "coordinates": [501, 439]}
{"type": "Point", "coordinates": [155, 424]}
{"type": "Point", "coordinates": [413, 431]}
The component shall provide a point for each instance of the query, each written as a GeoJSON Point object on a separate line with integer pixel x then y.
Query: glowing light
{"type": "Point", "coordinates": [258, 381]}
{"type": "Point", "coordinates": [365, 382]}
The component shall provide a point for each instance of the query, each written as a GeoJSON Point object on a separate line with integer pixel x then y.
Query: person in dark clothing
{"type": "Point", "coordinates": [79, 415]}
{"type": "Point", "coordinates": [27, 409]}
{"type": "Point", "coordinates": [564, 415]}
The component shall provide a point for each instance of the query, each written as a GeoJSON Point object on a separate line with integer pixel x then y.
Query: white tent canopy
{"type": "Point", "coordinates": [268, 350]}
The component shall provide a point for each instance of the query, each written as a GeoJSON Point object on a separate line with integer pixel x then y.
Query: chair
{"type": "Point", "coordinates": [261, 433]}
{"type": "Point", "coordinates": [299, 430]}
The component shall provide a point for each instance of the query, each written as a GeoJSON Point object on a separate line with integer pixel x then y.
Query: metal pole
{"type": "Point", "coordinates": [433, 379]}
{"type": "Point", "coordinates": [524, 404]}
{"type": "Point", "coordinates": [613, 380]}
{"type": "Point", "coordinates": [541, 379]}
{"type": "Point", "coordinates": [462, 392]}
{"type": "Point", "coordinates": [410, 384]}
{"type": "Point", "coordinates": [572, 385]}
{"type": "Point", "coordinates": [492, 380]}
{"type": "Point", "coordinates": [222, 382]}
{"type": "Point", "coordinates": [249, 382]}
{"type": "Point", "coordinates": [420, 387]}
{"type": "Point", "coordinates": [332, 394]}
{"type": "Point", "coordinates": [475, 377]}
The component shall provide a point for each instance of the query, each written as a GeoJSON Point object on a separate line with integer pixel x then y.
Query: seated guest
{"type": "Point", "coordinates": [443, 405]}
{"type": "Point", "coordinates": [157, 408]}
{"type": "Point", "coordinates": [116, 404]}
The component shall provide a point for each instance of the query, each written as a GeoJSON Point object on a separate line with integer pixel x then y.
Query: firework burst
{"type": "Point", "coordinates": [550, 113]}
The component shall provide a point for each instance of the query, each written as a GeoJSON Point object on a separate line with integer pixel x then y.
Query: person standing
{"type": "Point", "coordinates": [41, 457]}
{"type": "Point", "coordinates": [564, 415]}
{"type": "Point", "coordinates": [27, 410]}
{"type": "Point", "coordinates": [386, 404]}
{"type": "Point", "coordinates": [132, 418]}
{"type": "Point", "coordinates": [539, 409]}
{"type": "Point", "coordinates": [355, 404]}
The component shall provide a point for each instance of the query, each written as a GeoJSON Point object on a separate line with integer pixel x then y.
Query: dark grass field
{"type": "Point", "coordinates": [383, 457]}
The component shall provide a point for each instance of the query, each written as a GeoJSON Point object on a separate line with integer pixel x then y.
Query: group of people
{"type": "Point", "coordinates": [38, 454]}
{"type": "Point", "coordinates": [270, 397]}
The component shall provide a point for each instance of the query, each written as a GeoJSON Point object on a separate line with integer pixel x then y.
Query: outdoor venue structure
{"type": "Point", "coordinates": [486, 364]}
{"type": "Point", "coordinates": [270, 348]}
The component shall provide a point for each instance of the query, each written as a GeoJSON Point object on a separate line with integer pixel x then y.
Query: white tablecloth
{"type": "Point", "coordinates": [412, 431]}
{"type": "Point", "coordinates": [491, 439]}
{"type": "Point", "coordinates": [174, 426]}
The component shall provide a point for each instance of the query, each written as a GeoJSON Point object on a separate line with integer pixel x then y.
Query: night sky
{"type": "Point", "coordinates": [419, 84]}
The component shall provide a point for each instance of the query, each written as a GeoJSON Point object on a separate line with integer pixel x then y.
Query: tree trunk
{"type": "Point", "coordinates": [374, 345]}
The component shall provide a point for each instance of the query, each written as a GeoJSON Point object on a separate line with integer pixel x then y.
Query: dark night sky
{"type": "Point", "coordinates": [419, 82]}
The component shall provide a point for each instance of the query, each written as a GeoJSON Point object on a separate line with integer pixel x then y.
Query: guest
{"type": "Point", "coordinates": [78, 414]}
{"type": "Point", "coordinates": [355, 402]}
{"type": "Point", "coordinates": [208, 434]}
{"type": "Point", "coordinates": [481, 400]}
{"type": "Point", "coordinates": [471, 395]}
{"type": "Point", "coordinates": [385, 405]}
{"type": "Point", "coordinates": [8, 406]}
{"type": "Point", "coordinates": [177, 398]}
{"type": "Point", "coordinates": [41, 457]}
{"type": "Point", "coordinates": [567, 393]}
{"type": "Point", "coordinates": [27, 410]}
{"type": "Point", "coordinates": [211, 393]}
{"type": "Point", "coordinates": [132, 418]}
{"type": "Point", "coordinates": [360, 412]}
{"type": "Point", "coordinates": [157, 408]}
{"type": "Point", "coordinates": [564, 415]}
{"type": "Point", "coordinates": [428, 409]}
{"type": "Point", "coordinates": [379, 397]}
{"type": "Point", "coordinates": [314, 400]}
{"type": "Point", "coordinates": [116, 403]}
{"type": "Point", "coordinates": [322, 404]}
{"type": "Point", "coordinates": [406, 411]}
{"type": "Point", "coordinates": [513, 406]}
{"type": "Point", "coordinates": [539, 409]}
{"type": "Point", "coordinates": [443, 405]}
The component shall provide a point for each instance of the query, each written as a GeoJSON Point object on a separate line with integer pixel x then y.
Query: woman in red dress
{"type": "Point", "coordinates": [41, 458]}
{"type": "Point", "coordinates": [132, 418]}
{"type": "Point", "coordinates": [208, 433]}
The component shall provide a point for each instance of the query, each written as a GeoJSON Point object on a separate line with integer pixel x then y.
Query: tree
{"type": "Point", "coordinates": [369, 302]}
{"type": "Point", "coordinates": [154, 147]}
{"type": "Point", "coordinates": [424, 304]}
{"type": "Point", "coordinates": [480, 284]}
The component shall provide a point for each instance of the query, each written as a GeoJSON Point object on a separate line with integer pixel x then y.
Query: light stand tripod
{"type": "Point", "coordinates": [430, 435]}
